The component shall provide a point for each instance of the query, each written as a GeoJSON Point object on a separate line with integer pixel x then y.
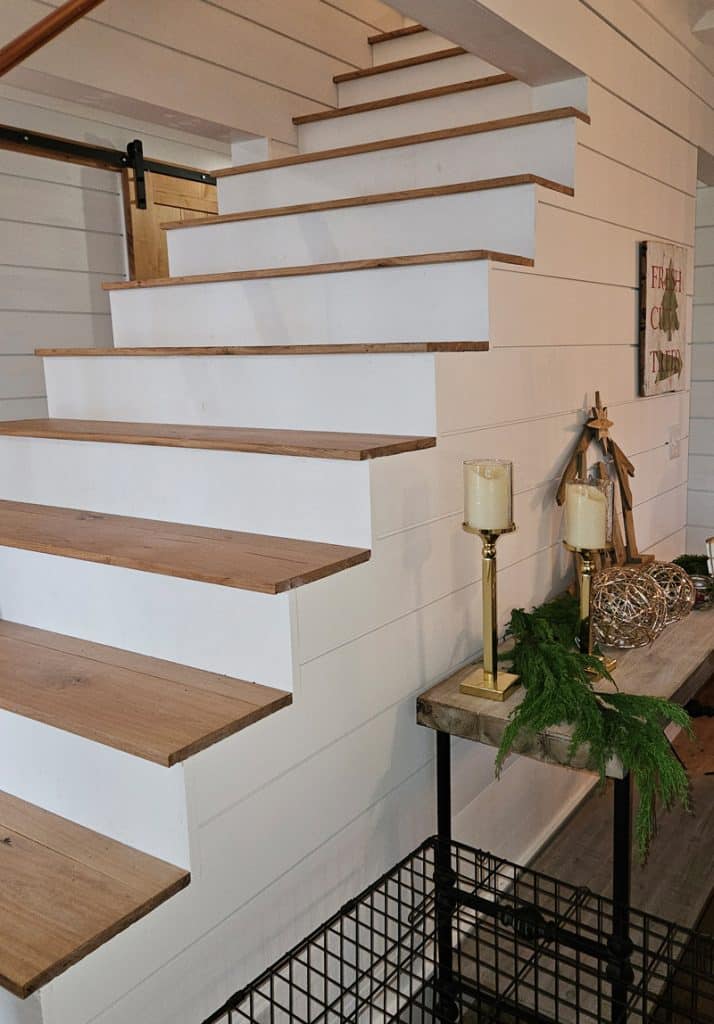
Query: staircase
{"type": "Point", "coordinates": [230, 494]}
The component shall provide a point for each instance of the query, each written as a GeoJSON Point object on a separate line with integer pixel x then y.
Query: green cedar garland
{"type": "Point", "coordinates": [558, 689]}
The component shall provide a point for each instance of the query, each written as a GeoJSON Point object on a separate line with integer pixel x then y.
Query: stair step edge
{"type": "Point", "coordinates": [188, 709]}
{"type": "Point", "coordinates": [309, 270]}
{"type": "Point", "coordinates": [398, 65]}
{"type": "Point", "coordinates": [305, 444]}
{"type": "Point", "coordinates": [473, 85]}
{"type": "Point", "coordinates": [498, 124]}
{"type": "Point", "coordinates": [385, 348]}
{"type": "Point", "coordinates": [405, 195]}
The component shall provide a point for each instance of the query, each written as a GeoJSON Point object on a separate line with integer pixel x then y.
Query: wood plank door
{"type": "Point", "coordinates": [167, 199]}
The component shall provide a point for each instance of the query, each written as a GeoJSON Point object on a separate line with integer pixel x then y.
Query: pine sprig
{"type": "Point", "coordinates": [559, 689]}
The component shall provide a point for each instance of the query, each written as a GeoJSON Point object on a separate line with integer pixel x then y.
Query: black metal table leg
{"type": "Point", "coordinates": [446, 1007]}
{"type": "Point", "coordinates": [620, 972]}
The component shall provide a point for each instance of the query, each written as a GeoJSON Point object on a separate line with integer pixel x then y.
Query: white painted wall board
{"type": "Point", "coordinates": [450, 111]}
{"type": "Point", "coordinates": [21, 375]}
{"type": "Point", "coordinates": [428, 302]}
{"type": "Point", "coordinates": [408, 46]}
{"type": "Point", "coordinates": [329, 499]}
{"type": "Point", "coordinates": [142, 804]}
{"type": "Point", "coordinates": [431, 75]}
{"type": "Point", "coordinates": [23, 330]}
{"type": "Point", "coordinates": [530, 310]}
{"type": "Point", "coordinates": [617, 193]}
{"type": "Point", "coordinates": [701, 488]}
{"type": "Point", "coordinates": [22, 408]}
{"type": "Point", "coordinates": [338, 392]}
{"type": "Point", "coordinates": [619, 130]}
{"type": "Point", "coordinates": [502, 220]}
{"type": "Point", "coordinates": [547, 149]}
{"type": "Point", "coordinates": [234, 632]}
{"type": "Point", "coordinates": [701, 472]}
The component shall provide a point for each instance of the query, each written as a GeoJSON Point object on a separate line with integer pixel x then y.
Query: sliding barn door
{"type": "Point", "coordinates": [167, 199]}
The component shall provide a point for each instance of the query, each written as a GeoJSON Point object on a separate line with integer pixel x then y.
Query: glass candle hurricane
{"type": "Point", "coordinates": [588, 515]}
{"type": "Point", "coordinates": [488, 494]}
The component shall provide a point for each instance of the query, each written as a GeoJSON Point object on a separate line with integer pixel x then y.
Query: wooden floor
{"type": "Point", "coordinates": [312, 444]}
{"type": "Point", "coordinates": [678, 880]}
{"type": "Point", "coordinates": [247, 561]}
{"type": "Point", "coordinates": [153, 709]}
{"type": "Point", "coordinates": [65, 891]}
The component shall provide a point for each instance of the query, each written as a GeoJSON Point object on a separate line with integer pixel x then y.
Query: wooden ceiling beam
{"type": "Point", "coordinates": [48, 28]}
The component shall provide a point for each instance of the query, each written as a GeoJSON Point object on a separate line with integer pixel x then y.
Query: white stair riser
{"type": "Point", "coordinates": [408, 46]}
{"type": "Point", "coordinates": [221, 629]}
{"type": "Point", "coordinates": [486, 104]}
{"type": "Point", "coordinates": [501, 219]}
{"type": "Point", "coordinates": [390, 394]}
{"type": "Point", "coordinates": [119, 795]}
{"type": "Point", "coordinates": [433, 302]}
{"type": "Point", "coordinates": [547, 149]}
{"type": "Point", "coordinates": [329, 500]}
{"type": "Point", "coordinates": [421, 76]}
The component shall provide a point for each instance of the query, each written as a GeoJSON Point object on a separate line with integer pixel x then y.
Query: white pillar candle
{"type": "Point", "coordinates": [585, 516]}
{"type": "Point", "coordinates": [488, 494]}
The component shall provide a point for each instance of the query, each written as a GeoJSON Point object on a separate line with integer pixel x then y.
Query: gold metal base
{"type": "Point", "coordinates": [477, 684]}
{"type": "Point", "coordinates": [609, 663]}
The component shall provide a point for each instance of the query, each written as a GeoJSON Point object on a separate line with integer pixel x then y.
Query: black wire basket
{"type": "Point", "coordinates": [455, 934]}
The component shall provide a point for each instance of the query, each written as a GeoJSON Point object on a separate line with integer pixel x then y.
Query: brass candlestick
{"type": "Point", "coordinates": [587, 568]}
{"type": "Point", "coordinates": [486, 680]}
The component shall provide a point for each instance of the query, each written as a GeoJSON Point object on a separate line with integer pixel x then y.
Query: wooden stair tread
{"type": "Point", "coordinates": [368, 348]}
{"type": "Point", "coordinates": [246, 561]}
{"type": "Point", "coordinates": [405, 195]}
{"type": "Point", "coordinates": [313, 444]}
{"type": "Point", "coordinates": [398, 65]}
{"type": "Point", "coordinates": [409, 97]}
{"type": "Point", "coordinates": [396, 33]}
{"type": "Point", "coordinates": [67, 890]}
{"type": "Point", "coordinates": [312, 269]}
{"type": "Point", "coordinates": [537, 117]}
{"type": "Point", "coordinates": [157, 710]}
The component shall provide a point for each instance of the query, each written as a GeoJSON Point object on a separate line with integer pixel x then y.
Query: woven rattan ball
{"type": "Point", "coordinates": [628, 609]}
{"type": "Point", "coordinates": [678, 589]}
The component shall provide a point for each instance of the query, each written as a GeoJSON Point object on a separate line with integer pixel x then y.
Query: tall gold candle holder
{"type": "Point", "coordinates": [488, 513]}
{"type": "Point", "coordinates": [588, 532]}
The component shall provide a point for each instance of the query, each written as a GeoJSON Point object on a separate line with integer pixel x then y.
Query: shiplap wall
{"type": "Point", "coordinates": [701, 452]}
{"type": "Point", "coordinates": [245, 66]}
{"type": "Point", "coordinates": [62, 234]}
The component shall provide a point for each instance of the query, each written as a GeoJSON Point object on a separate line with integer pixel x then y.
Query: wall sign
{"type": "Point", "coordinates": [663, 308]}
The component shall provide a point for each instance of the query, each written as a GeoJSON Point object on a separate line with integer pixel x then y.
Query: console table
{"type": "Point", "coordinates": [673, 667]}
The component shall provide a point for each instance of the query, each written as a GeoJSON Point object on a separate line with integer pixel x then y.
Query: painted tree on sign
{"type": "Point", "coordinates": [669, 319]}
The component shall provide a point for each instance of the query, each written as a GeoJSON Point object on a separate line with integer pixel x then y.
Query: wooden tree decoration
{"type": "Point", "coordinates": [597, 429]}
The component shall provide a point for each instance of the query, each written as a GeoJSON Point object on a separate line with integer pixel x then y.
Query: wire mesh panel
{"type": "Point", "coordinates": [455, 934]}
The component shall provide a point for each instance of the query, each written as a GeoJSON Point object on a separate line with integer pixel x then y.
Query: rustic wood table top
{"type": "Point", "coordinates": [673, 667]}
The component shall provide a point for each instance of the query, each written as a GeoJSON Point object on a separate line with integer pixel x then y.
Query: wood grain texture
{"type": "Point", "coordinates": [674, 667]}
{"type": "Point", "coordinates": [312, 269]}
{"type": "Point", "coordinates": [369, 348]}
{"type": "Point", "coordinates": [676, 881]}
{"type": "Point", "coordinates": [312, 444]}
{"type": "Point", "coordinates": [398, 65]}
{"type": "Point", "coordinates": [152, 709]}
{"type": "Point", "coordinates": [539, 117]}
{"type": "Point", "coordinates": [246, 561]}
{"type": "Point", "coordinates": [66, 891]}
{"type": "Point", "coordinates": [409, 97]}
{"type": "Point", "coordinates": [396, 33]}
{"type": "Point", "coordinates": [433, 192]}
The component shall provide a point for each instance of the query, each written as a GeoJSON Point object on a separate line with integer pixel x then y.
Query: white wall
{"type": "Point", "coordinates": [62, 234]}
{"type": "Point", "coordinates": [244, 66]}
{"type": "Point", "coordinates": [701, 451]}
